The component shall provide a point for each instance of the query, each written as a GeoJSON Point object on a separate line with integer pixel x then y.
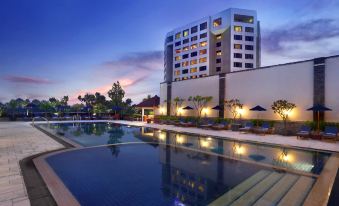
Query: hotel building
{"type": "Point", "coordinates": [225, 42]}
{"type": "Point", "coordinates": [201, 58]}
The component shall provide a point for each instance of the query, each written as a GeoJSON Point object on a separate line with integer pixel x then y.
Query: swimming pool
{"type": "Point", "coordinates": [129, 165]}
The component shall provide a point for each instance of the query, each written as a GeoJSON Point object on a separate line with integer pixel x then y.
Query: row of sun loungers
{"type": "Point", "coordinates": [330, 132]}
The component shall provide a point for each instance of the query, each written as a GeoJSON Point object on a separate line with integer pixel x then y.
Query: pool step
{"type": "Point", "coordinates": [297, 194]}
{"type": "Point", "coordinates": [250, 197]}
{"type": "Point", "coordinates": [240, 189]}
{"type": "Point", "coordinates": [277, 192]}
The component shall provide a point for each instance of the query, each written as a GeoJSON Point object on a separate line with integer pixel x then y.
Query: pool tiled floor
{"type": "Point", "coordinates": [17, 141]}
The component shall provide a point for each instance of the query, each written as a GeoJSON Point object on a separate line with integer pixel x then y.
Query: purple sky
{"type": "Point", "coordinates": [70, 47]}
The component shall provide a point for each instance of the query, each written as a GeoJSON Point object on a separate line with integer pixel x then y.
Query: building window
{"type": "Point", "coordinates": [203, 68]}
{"type": "Point", "coordinates": [185, 41]}
{"type": "Point", "coordinates": [194, 77]}
{"type": "Point", "coordinates": [194, 54]}
{"type": "Point", "coordinates": [193, 70]}
{"type": "Point", "coordinates": [177, 51]}
{"type": "Point", "coordinates": [249, 29]}
{"type": "Point", "coordinates": [218, 61]}
{"type": "Point", "coordinates": [202, 44]}
{"type": "Point", "coordinates": [218, 53]}
{"type": "Point", "coordinates": [237, 64]}
{"type": "Point", "coordinates": [177, 79]}
{"type": "Point", "coordinates": [249, 38]}
{"type": "Point", "coordinates": [194, 29]}
{"type": "Point", "coordinates": [184, 78]}
{"type": "Point", "coordinates": [248, 47]}
{"type": "Point", "coordinates": [248, 56]}
{"type": "Point", "coordinates": [169, 39]}
{"type": "Point", "coordinates": [194, 62]}
{"type": "Point", "coordinates": [237, 46]}
{"type": "Point", "coordinates": [194, 38]}
{"type": "Point", "coordinates": [248, 65]}
{"type": "Point", "coordinates": [178, 43]}
{"type": "Point", "coordinates": [194, 46]}
{"type": "Point", "coordinates": [203, 60]}
{"type": "Point", "coordinates": [217, 22]}
{"type": "Point", "coordinates": [177, 58]}
{"type": "Point", "coordinates": [184, 64]}
{"type": "Point", "coordinates": [177, 35]}
{"type": "Point", "coordinates": [177, 65]}
{"type": "Point", "coordinates": [186, 48]}
{"type": "Point", "coordinates": [243, 18]}
{"type": "Point", "coordinates": [204, 35]}
{"type": "Point", "coordinates": [203, 51]}
{"type": "Point", "coordinates": [185, 71]}
{"type": "Point", "coordinates": [203, 75]}
{"type": "Point", "coordinates": [218, 44]}
{"type": "Point", "coordinates": [185, 56]}
{"type": "Point", "coordinates": [185, 33]}
{"type": "Point", "coordinates": [218, 36]}
{"type": "Point", "coordinates": [237, 55]}
{"type": "Point", "coordinates": [238, 28]}
{"type": "Point", "coordinates": [237, 37]}
{"type": "Point", "coordinates": [177, 73]}
{"type": "Point", "coordinates": [218, 69]}
{"type": "Point", "coordinates": [203, 26]}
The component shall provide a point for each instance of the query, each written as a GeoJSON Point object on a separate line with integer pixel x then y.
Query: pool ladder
{"type": "Point", "coordinates": [33, 120]}
{"type": "Point", "coordinates": [75, 118]}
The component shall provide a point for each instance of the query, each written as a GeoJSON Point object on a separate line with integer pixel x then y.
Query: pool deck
{"type": "Point", "coordinates": [17, 141]}
{"type": "Point", "coordinates": [290, 141]}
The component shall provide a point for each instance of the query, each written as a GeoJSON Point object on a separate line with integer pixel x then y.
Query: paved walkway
{"type": "Point", "coordinates": [17, 141]}
{"type": "Point", "coordinates": [272, 139]}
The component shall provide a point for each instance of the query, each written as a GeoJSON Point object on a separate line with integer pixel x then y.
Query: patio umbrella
{"type": "Point", "coordinates": [258, 108]}
{"type": "Point", "coordinates": [319, 108]}
{"type": "Point", "coordinates": [218, 107]}
{"type": "Point", "coordinates": [187, 108]}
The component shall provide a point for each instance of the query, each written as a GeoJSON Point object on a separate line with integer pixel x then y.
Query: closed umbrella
{"type": "Point", "coordinates": [318, 108]}
{"type": "Point", "coordinates": [258, 109]}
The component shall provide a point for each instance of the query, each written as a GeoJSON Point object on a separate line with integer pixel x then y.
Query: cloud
{"type": "Point", "coordinates": [27, 80]}
{"type": "Point", "coordinates": [293, 42]}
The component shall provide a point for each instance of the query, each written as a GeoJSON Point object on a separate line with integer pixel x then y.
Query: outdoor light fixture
{"type": "Point", "coordinates": [179, 139]}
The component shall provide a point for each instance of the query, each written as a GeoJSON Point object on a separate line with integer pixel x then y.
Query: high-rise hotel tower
{"type": "Point", "coordinates": [226, 42]}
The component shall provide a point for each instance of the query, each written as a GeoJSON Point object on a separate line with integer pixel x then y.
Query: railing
{"type": "Point", "coordinates": [76, 118]}
{"type": "Point", "coordinates": [33, 120]}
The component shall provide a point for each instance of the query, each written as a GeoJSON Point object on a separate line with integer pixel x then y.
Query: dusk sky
{"type": "Point", "coordinates": [70, 47]}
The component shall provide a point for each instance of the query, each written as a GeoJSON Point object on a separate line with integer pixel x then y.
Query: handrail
{"type": "Point", "coordinates": [44, 118]}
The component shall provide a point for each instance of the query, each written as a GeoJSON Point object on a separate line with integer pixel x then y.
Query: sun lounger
{"type": "Point", "coordinates": [264, 129]}
{"type": "Point", "coordinates": [206, 125]}
{"type": "Point", "coordinates": [220, 126]}
{"type": "Point", "coordinates": [304, 132]}
{"type": "Point", "coordinates": [248, 127]}
{"type": "Point", "coordinates": [330, 132]}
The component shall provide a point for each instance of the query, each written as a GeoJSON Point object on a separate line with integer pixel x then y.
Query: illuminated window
{"type": "Point", "coordinates": [203, 75]}
{"type": "Point", "coordinates": [204, 35]}
{"type": "Point", "coordinates": [218, 53]}
{"type": "Point", "coordinates": [185, 32]}
{"type": "Point", "coordinates": [186, 48]}
{"type": "Point", "coordinates": [176, 79]}
{"type": "Point", "coordinates": [194, 29]}
{"type": "Point", "coordinates": [238, 28]}
{"type": "Point", "coordinates": [203, 51]}
{"type": "Point", "coordinates": [177, 58]}
{"type": "Point", "coordinates": [184, 64]}
{"type": "Point", "coordinates": [193, 70]}
{"type": "Point", "coordinates": [237, 64]}
{"type": "Point", "coordinates": [243, 18]}
{"type": "Point", "coordinates": [177, 73]}
{"type": "Point", "coordinates": [218, 36]}
{"type": "Point", "coordinates": [177, 35]}
{"type": "Point", "coordinates": [194, 46]}
{"type": "Point", "coordinates": [203, 60]}
{"type": "Point", "coordinates": [185, 71]}
{"type": "Point", "coordinates": [194, 61]}
{"type": "Point", "coordinates": [204, 43]}
{"type": "Point", "coordinates": [184, 78]}
{"type": "Point", "coordinates": [194, 77]}
{"type": "Point", "coordinates": [177, 51]}
{"type": "Point", "coordinates": [194, 38]}
{"type": "Point", "coordinates": [237, 46]}
{"type": "Point", "coordinates": [217, 22]}
{"type": "Point", "coordinates": [203, 26]}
